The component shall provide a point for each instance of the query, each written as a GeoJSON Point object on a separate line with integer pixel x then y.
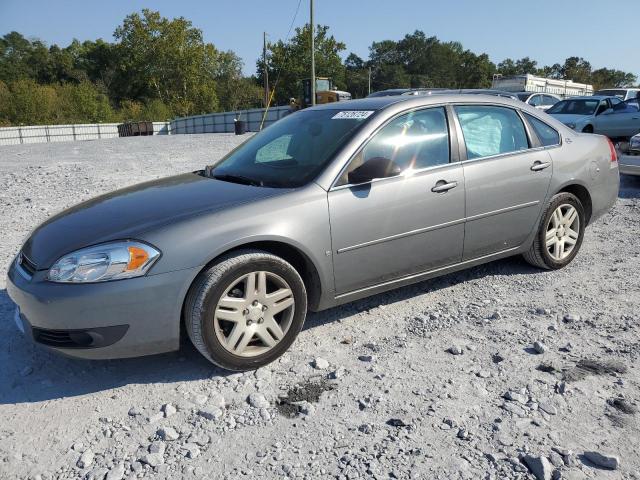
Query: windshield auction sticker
{"type": "Point", "coordinates": [352, 114]}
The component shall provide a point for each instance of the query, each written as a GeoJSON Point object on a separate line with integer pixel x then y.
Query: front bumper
{"type": "Point", "coordinates": [123, 318]}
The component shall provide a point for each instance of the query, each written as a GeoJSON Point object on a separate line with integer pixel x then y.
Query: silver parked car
{"type": "Point", "coordinates": [579, 113]}
{"type": "Point", "coordinates": [328, 205]}
{"type": "Point", "coordinates": [620, 121]}
{"type": "Point", "coordinates": [630, 158]}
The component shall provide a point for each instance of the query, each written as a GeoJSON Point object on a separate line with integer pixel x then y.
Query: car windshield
{"type": "Point", "coordinates": [291, 152]}
{"type": "Point", "coordinates": [575, 107]}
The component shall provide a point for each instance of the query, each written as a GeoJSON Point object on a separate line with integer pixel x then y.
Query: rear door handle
{"type": "Point", "coordinates": [443, 186]}
{"type": "Point", "coordinates": [537, 166]}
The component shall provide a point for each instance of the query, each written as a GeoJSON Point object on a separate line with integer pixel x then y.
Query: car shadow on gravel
{"type": "Point", "coordinates": [629, 186]}
{"type": "Point", "coordinates": [30, 373]}
{"type": "Point", "coordinates": [504, 267]}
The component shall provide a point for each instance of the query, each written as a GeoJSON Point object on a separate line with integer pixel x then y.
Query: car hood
{"type": "Point", "coordinates": [131, 211]}
{"type": "Point", "coordinates": [569, 118]}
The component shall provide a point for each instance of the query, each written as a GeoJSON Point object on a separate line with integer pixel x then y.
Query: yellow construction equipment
{"type": "Point", "coordinates": [325, 93]}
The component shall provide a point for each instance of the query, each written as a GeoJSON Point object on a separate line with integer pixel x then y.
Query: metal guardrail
{"type": "Point", "coordinates": [65, 133]}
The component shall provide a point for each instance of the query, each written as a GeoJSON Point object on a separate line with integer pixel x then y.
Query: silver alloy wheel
{"type": "Point", "coordinates": [563, 231]}
{"type": "Point", "coordinates": [254, 313]}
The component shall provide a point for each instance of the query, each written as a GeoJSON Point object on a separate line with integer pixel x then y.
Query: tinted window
{"type": "Point", "coordinates": [575, 107]}
{"type": "Point", "coordinates": [549, 100]}
{"type": "Point", "coordinates": [547, 135]}
{"type": "Point", "coordinates": [292, 151]}
{"type": "Point", "coordinates": [491, 130]}
{"type": "Point", "coordinates": [536, 100]}
{"type": "Point", "coordinates": [416, 140]}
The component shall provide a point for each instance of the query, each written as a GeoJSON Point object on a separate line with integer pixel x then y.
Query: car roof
{"type": "Point", "coordinates": [622, 89]}
{"type": "Point", "coordinates": [380, 103]}
{"type": "Point", "coordinates": [591, 97]}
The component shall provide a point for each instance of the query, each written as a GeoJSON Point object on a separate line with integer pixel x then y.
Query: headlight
{"type": "Point", "coordinates": [571, 125]}
{"type": "Point", "coordinates": [101, 263]}
{"type": "Point", "coordinates": [634, 143]}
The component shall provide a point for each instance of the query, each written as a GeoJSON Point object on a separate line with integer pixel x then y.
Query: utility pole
{"type": "Point", "coordinates": [313, 57]}
{"type": "Point", "coordinates": [266, 70]}
{"type": "Point", "coordinates": [369, 81]}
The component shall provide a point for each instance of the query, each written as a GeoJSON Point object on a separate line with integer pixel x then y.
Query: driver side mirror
{"type": "Point", "coordinates": [377, 167]}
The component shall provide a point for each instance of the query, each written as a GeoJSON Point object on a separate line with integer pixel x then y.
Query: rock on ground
{"type": "Point", "coordinates": [586, 313]}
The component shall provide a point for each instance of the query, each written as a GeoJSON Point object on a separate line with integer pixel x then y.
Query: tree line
{"type": "Point", "coordinates": [158, 68]}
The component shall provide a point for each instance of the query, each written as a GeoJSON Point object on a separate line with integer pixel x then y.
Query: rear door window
{"type": "Point", "coordinates": [548, 136]}
{"type": "Point", "coordinates": [491, 130]}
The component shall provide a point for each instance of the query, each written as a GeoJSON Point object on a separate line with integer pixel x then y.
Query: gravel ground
{"type": "Point", "coordinates": [498, 372]}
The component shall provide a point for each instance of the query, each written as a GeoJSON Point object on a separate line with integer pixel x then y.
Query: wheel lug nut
{"type": "Point", "coordinates": [261, 320]}
{"type": "Point", "coordinates": [264, 308]}
{"type": "Point", "coordinates": [255, 302]}
{"type": "Point", "coordinates": [249, 322]}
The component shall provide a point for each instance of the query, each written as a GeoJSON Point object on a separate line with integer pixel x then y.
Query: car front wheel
{"type": "Point", "coordinates": [246, 310]}
{"type": "Point", "coordinates": [560, 233]}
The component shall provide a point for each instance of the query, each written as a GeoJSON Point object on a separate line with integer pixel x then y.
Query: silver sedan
{"type": "Point", "coordinates": [328, 205]}
{"type": "Point", "coordinates": [630, 158]}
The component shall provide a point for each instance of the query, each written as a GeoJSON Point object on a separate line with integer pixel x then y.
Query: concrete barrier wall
{"type": "Point", "coordinates": [224, 122]}
{"type": "Point", "coordinates": [66, 133]}
{"type": "Point", "coordinates": [209, 123]}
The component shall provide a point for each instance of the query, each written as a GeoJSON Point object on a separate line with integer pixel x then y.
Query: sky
{"type": "Point", "coordinates": [548, 30]}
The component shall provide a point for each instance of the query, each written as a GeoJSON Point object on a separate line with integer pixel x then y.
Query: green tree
{"type": "Point", "coordinates": [576, 69]}
{"type": "Point", "coordinates": [234, 90]}
{"type": "Point", "coordinates": [83, 103]}
{"type": "Point", "coordinates": [604, 77]}
{"type": "Point", "coordinates": [522, 66]}
{"type": "Point", "coordinates": [30, 103]}
{"type": "Point", "coordinates": [168, 60]}
{"type": "Point", "coordinates": [356, 76]}
{"type": "Point", "coordinates": [290, 62]}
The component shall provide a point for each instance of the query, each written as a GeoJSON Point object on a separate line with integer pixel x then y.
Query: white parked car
{"type": "Point", "coordinates": [621, 93]}
{"type": "Point", "coordinates": [542, 101]}
{"type": "Point", "coordinates": [578, 113]}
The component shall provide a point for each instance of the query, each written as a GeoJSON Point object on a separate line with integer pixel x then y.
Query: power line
{"type": "Point", "coordinates": [284, 61]}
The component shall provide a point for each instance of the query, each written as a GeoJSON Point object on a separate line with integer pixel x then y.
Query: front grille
{"type": "Point", "coordinates": [27, 265]}
{"type": "Point", "coordinates": [54, 338]}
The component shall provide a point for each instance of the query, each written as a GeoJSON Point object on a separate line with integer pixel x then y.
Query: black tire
{"type": "Point", "coordinates": [210, 285]}
{"type": "Point", "coordinates": [588, 129]}
{"type": "Point", "coordinates": [538, 255]}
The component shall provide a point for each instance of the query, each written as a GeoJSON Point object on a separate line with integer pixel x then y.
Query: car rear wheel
{"type": "Point", "coordinates": [246, 310]}
{"type": "Point", "coordinates": [560, 233]}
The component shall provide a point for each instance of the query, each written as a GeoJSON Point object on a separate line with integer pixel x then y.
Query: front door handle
{"type": "Point", "coordinates": [537, 166]}
{"type": "Point", "coordinates": [443, 186]}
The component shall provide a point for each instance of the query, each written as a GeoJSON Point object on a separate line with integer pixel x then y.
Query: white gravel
{"type": "Point", "coordinates": [390, 402]}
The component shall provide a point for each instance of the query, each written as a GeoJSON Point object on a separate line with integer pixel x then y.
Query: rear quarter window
{"type": "Point", "coordinates": [548, 135]}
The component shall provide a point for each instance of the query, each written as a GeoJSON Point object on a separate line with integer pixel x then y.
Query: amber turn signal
{"type": "Point", "coordinates": [137, 258]}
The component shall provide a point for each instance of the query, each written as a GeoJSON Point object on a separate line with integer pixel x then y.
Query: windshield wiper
{"type": "Point", "coordinates": [227, 177]}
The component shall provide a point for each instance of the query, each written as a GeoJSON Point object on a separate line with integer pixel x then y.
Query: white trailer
{"type": "Point", "coordinates": [531, 83]}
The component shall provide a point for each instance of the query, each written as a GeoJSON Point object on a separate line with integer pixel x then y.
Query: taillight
{"type": "Point", "coordinates": [612, 149]}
